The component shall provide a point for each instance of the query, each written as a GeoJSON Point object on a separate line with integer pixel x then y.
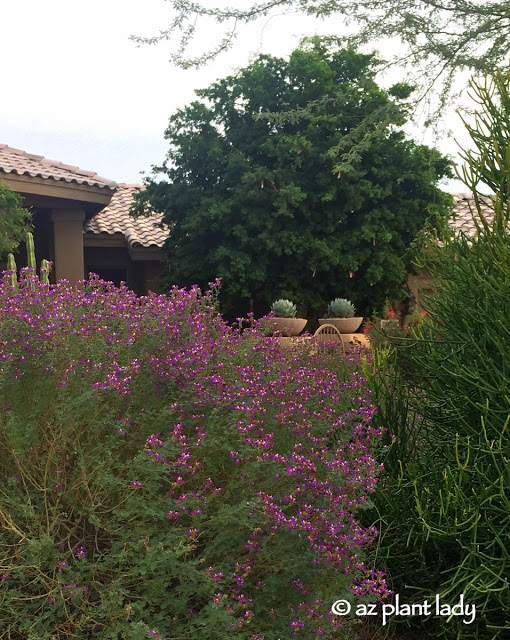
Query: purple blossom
{"type": "Point", "coordinates": [80, 553]}
{"type": "Point", "coordinates": [293, 447]}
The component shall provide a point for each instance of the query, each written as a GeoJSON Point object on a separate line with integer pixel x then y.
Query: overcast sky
{"type": "Point", "coordinates": [75, 89]}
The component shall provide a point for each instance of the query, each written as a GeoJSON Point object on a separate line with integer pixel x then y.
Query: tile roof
{"type": "Point", "coordinates": [19, 162]}
{"type": "Point", "coordinates": [115, 218]}
{"type": "Point", "coordinates": [464, 209]}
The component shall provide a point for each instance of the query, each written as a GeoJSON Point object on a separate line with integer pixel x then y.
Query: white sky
{"type": "Point", "coordinates": [74, 88]}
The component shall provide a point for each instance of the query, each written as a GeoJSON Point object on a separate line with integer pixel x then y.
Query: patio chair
{"type": "Point", "coordinates": [327, 335]}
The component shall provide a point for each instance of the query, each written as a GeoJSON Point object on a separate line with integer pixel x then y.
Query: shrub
{"type": "Point", "coordinates": [164, 476]}
{"type": "Point", "coordinates": [413, 560]}
{"type": "Point", "coordinates": [15, 221]}
{"type": "Point", "coordinates": [455, 370]}
{"type": "Point", "coordinates": [388, 333]}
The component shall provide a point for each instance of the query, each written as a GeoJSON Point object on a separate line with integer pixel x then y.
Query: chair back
{"type": "Point", "coordinates": [327, 335]}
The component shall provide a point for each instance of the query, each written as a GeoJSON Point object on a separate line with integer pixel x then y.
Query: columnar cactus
{"type": "Point", "coordinates": [45, 265]}
{"type": "Point", "coordinates": [44, 272]}
{"type": "Point", "coordinates": [31, 264]}
{"type": "Point", "coordinates": [11, 266]}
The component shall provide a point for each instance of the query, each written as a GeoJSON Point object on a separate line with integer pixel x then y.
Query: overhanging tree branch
{"type": "Point", "coordinates": [452, 34]}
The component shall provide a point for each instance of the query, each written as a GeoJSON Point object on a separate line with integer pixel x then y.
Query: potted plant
{"type": "Point", "coordinates": [284, 320]}
{"type": "Point", "coordinates": [340, 313]}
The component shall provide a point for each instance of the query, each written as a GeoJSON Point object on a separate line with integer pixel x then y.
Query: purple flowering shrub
{"type": "Point", "coordinates": [166, 476]}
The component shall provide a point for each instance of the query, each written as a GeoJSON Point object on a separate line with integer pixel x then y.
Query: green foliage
{"type": "Point", "coordinates": [284, 308]}
{"type": "Point", "coordinates": [330, 195]}
{"type": "Point", "coordinates": [439, 38]}
{"type": "Point", "coordinates": [389, 331]}
{"type": "Point", "coordinates": [488, 163]}
{"type": "Point", "coordinates": [340, 308]}
{"type": "Point", "coordinates": [414, 561]}
{"type": "Point", "coordinates": [453, 380]}
{"type": "Point", "coordinates": [14, 220]}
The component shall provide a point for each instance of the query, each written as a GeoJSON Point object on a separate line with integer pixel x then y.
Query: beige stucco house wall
{"type": "Point", "coordinates": [82, 223]}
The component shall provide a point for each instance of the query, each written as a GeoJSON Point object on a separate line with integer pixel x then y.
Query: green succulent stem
{"type": "Point", "coordinates": [11, 266]}
{"type": "Point", "coordinates": [31, 264]}
{"type": "Point", "coordinates": [44, 272]}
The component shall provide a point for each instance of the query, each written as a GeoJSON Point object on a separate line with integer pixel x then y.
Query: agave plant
{"type": "Point", "coordinates": [284, 309]}
{"type": "Point", "coordinates": [340, 308]}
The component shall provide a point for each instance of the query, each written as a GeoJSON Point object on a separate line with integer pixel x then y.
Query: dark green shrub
{"type": "Point", "coordinates": [15, 221]}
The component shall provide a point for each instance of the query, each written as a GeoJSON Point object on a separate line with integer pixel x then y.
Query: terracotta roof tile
{"type": "Point", "coordinates": [21, 163]}
{"type": "Point", "coordinates": [464, 209]}
{"type": "Point", "coordinates": [115, 218]}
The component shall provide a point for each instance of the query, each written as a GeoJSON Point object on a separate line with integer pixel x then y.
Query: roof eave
{"type": "Point", "coordinates": [91, 239]}
{"type": "Point", "coordinates": [150, 254]}
{"type": "Point", "coordinates": [30, 185]}
{"type": "Point", "coordinates": [137, 252]}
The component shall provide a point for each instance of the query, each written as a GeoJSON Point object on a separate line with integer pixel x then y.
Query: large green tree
{"type": "Point", "coordinates": [321, 204]}
{"type": "Point", "coordinates": [14, 220]}
{"type": "Point", "coordinates": [439, 36]}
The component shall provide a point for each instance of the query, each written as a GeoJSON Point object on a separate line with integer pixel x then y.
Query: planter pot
{"type": "Point", "coordinates": [285, 326]}
{"type": "Point", "coordinates": [344, 325]}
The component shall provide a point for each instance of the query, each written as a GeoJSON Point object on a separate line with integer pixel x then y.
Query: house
{"type": "Point", "coordinates": [82, 223]}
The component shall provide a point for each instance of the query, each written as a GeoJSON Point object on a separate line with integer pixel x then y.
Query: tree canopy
{"type": "Point", "coordinates": [14, 220]}
{"type": "Point", "coordinates": [320, 205]}
{"type": "Point", "coordinates": [440, 36]}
